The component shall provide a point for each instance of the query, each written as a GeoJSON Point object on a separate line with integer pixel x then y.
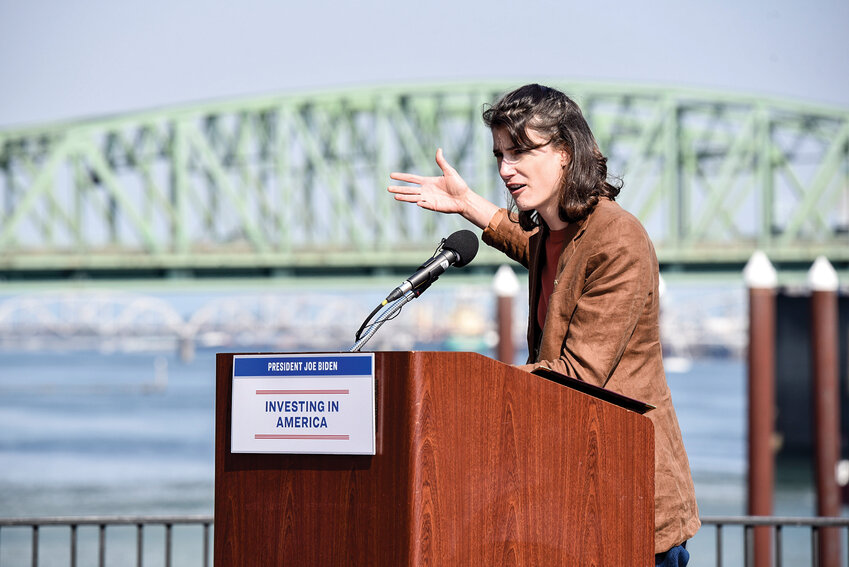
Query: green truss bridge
{"type": "Point", "coordinates": [296, 183]}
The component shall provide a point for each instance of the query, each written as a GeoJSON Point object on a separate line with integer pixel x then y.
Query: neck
{"type": "Point", "coordinates": [552, 219]}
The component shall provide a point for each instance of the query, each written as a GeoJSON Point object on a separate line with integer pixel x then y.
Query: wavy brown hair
{"type": "Point", "coordinates": [556, 117]}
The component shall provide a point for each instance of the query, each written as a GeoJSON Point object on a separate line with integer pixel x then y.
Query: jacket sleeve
{"type": "Point", "coordinates": [620, 278]}
{"type": "Point", "coordinates": [508, 237]}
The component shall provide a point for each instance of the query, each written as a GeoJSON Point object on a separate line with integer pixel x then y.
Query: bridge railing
{"type": "Point", "coordinates": [298, 181]}
{"type": "Point", "coordinates": [713, 526]}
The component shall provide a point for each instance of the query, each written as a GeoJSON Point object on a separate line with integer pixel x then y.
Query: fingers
{"type": "Point", "coordinates": [418, 179]}
{"type": "Point", "coordinates": [406, 193]}
{"type": "Point", "coordinates": [443, 163]}
{"type": "Point", "coordinates": [406, 177]}
{"type": "Point", "coordinates": [409, 198]}
{"type": "Point", "coordinates": [404, 189]}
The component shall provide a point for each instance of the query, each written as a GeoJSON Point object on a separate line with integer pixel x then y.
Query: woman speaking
{"type": "Point", "coordinates": [593, 273]}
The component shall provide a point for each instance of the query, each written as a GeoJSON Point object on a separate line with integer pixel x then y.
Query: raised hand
{"type": "Point", "coordinates": [447, 193]}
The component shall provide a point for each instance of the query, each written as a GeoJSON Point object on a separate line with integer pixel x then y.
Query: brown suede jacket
{"type": "Point", "coordinates": [602, 327]}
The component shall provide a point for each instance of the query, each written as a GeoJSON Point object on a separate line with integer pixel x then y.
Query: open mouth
{"type": "Point", "coordinates": [513, 187]}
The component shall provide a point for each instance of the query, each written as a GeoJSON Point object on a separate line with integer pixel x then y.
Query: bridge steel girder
{"type": "Point", "coordinates": [298, 181]}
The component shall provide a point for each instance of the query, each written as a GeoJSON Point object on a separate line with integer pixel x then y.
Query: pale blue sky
{"type": "Point", "coordinates": [62, 60]}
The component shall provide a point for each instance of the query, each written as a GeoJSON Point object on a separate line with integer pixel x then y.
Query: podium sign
{"type": "Point", "coordinates": [303, 403]}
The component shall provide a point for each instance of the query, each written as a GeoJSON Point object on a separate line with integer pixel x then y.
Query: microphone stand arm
{"type": "Point", "coordinates": [388, 314]}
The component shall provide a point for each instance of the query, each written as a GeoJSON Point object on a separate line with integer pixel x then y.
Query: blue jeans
{"type": "Point", "coordinates": [675, 557]}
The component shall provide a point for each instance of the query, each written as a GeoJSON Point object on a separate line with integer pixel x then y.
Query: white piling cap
{"type": "Point", "coordinates": [759, 272]}
{"type": "Point", "coordinates": [505, 283]}
{"type": "Point", "coordinates": [822, 276]}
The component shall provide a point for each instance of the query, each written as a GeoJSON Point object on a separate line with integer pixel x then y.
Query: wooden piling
{"type": "Point", "coordinates": [822, 280]}
{"type": "Point", "coordinates": [506, 287]}
{"type": "Point", "coordinates": [761, 279]}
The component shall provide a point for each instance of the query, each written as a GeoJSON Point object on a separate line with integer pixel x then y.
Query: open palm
{"type": "Point", "coordinates": [447, 193]}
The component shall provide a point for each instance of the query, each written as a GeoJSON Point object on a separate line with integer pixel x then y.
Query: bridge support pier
{"type": "Point", "coordinates": [187, 349]}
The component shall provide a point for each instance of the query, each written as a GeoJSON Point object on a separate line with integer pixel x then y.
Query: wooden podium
{"type": "Point", "coordinates": [477, 463]}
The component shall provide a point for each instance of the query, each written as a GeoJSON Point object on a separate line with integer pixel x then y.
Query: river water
{"type": "Point", "coordinates": [122, 433]}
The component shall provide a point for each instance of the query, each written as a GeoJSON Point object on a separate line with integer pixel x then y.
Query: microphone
{"type": "Point", "coordinates": [457, 250]}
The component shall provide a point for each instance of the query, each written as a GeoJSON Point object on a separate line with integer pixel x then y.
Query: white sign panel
{"type": "Point", "coordinates": [303, 403]}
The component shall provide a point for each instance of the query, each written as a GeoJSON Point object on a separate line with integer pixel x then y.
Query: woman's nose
{"type": "Point", "coordinates": [506, 169]}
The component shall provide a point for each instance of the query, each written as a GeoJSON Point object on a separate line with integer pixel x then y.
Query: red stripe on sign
{"type": "Point", "coordinates": [320, 437]}
{"type": "Point", "coordinates": [272, 392]}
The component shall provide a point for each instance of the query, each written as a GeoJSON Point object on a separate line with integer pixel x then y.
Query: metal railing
{"type": "Point", "coordinates": [719, 524]}
{"type": "Point", "coordinates": [777, 525]}
{"type": "Point", "coordinates": [142, 523]}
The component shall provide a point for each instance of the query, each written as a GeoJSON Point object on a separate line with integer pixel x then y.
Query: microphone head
{"type": "Point", "coordinates": [465, 244]}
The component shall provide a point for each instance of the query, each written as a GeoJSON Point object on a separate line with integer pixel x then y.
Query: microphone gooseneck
{"type": "Point", "coordinates": [458, 250]}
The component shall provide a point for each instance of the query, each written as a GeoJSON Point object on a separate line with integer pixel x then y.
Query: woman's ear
{"type": "Point", "coordinates": [564, 158]}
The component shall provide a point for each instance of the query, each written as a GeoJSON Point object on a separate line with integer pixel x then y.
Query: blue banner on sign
{"type": "Point", "coordinates": [284, 365]}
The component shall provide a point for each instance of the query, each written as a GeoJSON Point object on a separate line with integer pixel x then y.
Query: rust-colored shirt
{"type": "Point", "coordinates": [602, 326]}
{"type": "Point", "coordinates": [553, 248]}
